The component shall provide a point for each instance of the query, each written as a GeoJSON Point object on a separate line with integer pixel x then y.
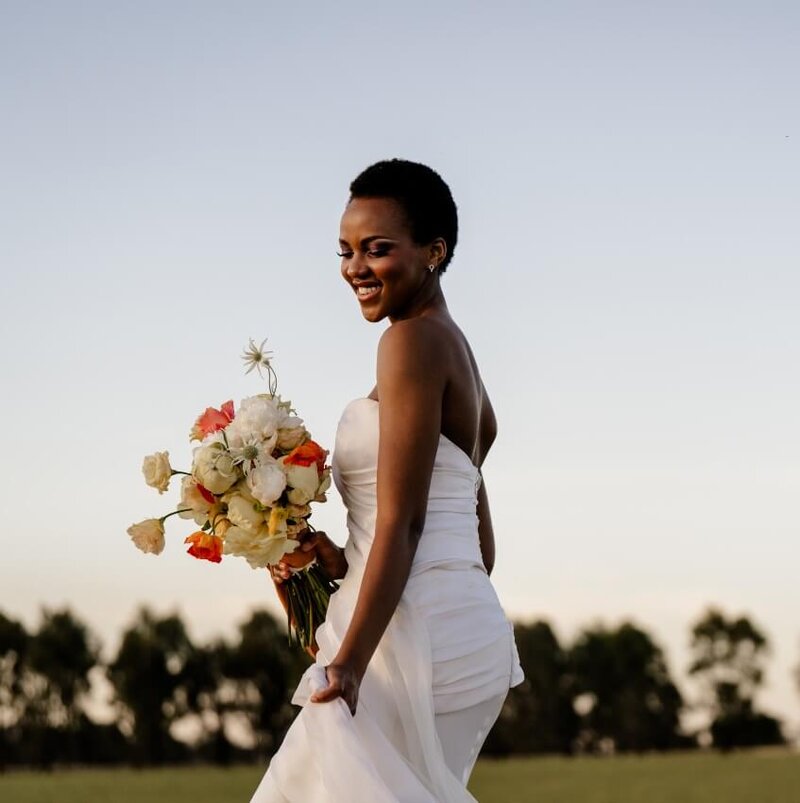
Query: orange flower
{"type": "Point", "coordinates": [305, 454]}
{"type": "Point", "coordinates": [205, 546]}
{"type": "Point", "coordinates": [212, 420]}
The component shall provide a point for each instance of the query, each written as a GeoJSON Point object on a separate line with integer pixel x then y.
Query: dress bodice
{"type": "Point", "coordinates": [450, 534]}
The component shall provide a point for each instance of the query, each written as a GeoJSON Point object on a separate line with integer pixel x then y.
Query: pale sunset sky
{"type": "Point", "coordinates": [628, 183]}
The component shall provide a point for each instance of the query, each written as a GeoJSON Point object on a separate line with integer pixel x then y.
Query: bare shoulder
{"type": "Point", "coordinates": [411, 345]}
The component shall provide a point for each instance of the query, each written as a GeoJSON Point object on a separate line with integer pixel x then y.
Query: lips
{"type": "Point", "coordinates": [366, 292]}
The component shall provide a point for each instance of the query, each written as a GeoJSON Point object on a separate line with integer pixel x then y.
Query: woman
{"type": "Point", "coordinates": [416, 655]}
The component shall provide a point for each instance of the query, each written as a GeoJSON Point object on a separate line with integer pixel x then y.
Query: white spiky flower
{"type": "Point", "coordinates": [252, 451]}
{"type": "Point", "coordinates": [256, 356]}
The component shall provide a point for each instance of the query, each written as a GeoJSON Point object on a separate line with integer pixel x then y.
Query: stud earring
{"type": "Point", "coordinates": [431, 268]}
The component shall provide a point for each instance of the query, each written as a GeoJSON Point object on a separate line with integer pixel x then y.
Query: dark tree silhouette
{"type": "Point", "coordinates": [624, 692]}
{"type": "Point", "coordinates": [213, 698]}
{"type": "Point", "coordinates": [538, 716]}
{"type": "Point", "coordinates": [14, 642]}
{"type": "Point", "coordinates": [728, 658]}
{"type": "Point", "coordinates": [61, 655]}
{"type": "Point", "coordinates": [265, 671]}
{"type": "Point", "coordinates": [149, 678]}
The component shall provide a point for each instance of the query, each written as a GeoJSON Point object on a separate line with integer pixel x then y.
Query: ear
{"type": "Point", "coordinates": [437, 251]}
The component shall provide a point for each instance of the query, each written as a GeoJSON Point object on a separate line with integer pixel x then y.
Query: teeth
{"type": "Point", "coordinates": [365, 291]}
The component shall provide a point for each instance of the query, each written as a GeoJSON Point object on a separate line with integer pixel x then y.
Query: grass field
{"type": "Point", "coordinates": [770, 777]}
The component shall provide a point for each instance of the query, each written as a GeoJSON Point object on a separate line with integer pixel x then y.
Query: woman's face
{"type": "Point", "coordinates": [386, 269]}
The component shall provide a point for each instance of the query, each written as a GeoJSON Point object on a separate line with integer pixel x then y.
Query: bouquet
{"type": "Point", "coordinates": [253, 478]}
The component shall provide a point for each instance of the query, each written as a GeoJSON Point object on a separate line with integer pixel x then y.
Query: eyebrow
{"type": "Point", "coordinates": [367, 240]}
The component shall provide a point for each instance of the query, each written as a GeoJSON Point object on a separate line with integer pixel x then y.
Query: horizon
{"type": "Point", "coordinates": [628, 186]}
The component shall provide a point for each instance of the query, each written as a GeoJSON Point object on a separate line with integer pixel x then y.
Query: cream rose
{"type": "Point", "coordinates": [267, 482]}
{"type": "Point", "coordinates": [148, 535]}
{"type": "Point", "coordinates": [243, 514]}
{"type": "Point", "coordinates": [291, 433]}
{"type": "Point", "coordinates": [324, 484]}
{"type": "Point", "coordinates": [157, 471]}
{"type": "Point", "coordinates": [214, 468]}
{"type": "Point", "coordinates": [303, 482]}
{"type": "Point", "coordinates": [193, 504]}
{"type": "Point", "coordinates": [258, 549]}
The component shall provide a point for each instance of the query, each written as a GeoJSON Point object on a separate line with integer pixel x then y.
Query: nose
{"type": "Point", "coordinates": [356, 266]}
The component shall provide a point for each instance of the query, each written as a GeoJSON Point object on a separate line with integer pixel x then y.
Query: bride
{"type": "Point", "coordinates": [416, 655]}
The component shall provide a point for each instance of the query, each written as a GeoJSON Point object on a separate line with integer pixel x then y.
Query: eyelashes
{"type": "Point", "coordinates": [376, 254]}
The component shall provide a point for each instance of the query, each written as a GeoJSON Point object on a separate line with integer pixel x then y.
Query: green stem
{"type": "Point", "coordinates": [174, 513]}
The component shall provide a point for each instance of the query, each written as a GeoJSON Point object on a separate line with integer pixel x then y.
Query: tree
{"type": "Point", "coordinates": [624, 693]}
{"type": "Point", "coordinates": [265, 671]}
{"type": "Point", "coordinates": [538, 716]}
{"type": "Point", "coordinates": [728, 658]}
{"type": "Point", "coordinates": [149, 678]}
{"type": "Point", "coordinates": [212, 697]}
{"type": "Point", "coordinates": [14, 642]}
{"type": "Point", "coordinates": [61, 654]}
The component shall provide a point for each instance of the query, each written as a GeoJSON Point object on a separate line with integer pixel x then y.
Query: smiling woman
{"type": "Point", "coordinates": [416, 655]}
{"type": "Point", "coordinates": [401, 219]}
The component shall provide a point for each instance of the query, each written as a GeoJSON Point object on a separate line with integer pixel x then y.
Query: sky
{"type": "Point", "coordinates": [171, 180]}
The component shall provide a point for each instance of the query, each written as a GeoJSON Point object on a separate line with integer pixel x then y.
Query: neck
{"type": "Point", "coordinates": [429, 301]}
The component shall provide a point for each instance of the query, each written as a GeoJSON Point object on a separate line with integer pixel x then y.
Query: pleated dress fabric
{"type": "Point", "coordinates": [449, 646]}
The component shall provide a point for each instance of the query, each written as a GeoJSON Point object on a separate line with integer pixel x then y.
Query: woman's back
{"type": "Point", "coordinates": [468, 419]}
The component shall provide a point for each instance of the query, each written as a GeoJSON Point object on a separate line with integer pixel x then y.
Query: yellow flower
{"type": "Point", "coordinates": [277, 520]}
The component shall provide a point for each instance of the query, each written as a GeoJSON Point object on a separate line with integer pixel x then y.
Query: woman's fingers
{"type": "Point", "coordinates": [280, 571]}
{"type": "Point", "coordinates": [337, 687]}
{"type": "Point", "coordinates": [331, 692]}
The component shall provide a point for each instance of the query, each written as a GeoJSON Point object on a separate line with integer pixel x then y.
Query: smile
{"type": "Point", "coordinates": [366, 293]}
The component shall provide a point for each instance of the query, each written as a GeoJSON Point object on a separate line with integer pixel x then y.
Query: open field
{"type": "Point", "coordinates": [768, 777]}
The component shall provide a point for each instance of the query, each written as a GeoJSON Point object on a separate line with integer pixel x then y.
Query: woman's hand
{"type": "Point", "coordinates": [329, 556]}
{"type": "Point", "coordinates": [344, 681]}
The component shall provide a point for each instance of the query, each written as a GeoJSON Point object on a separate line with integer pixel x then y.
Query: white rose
{"type": "Point", "coordinates": [303, 482]}
{"type": "Point", "coordinates": [291, 433]}
{"type": "Point", "coordinates": [259, 549]}
{"type": "Point", "coordinates": [267, 482]}
{"type": "Point", "coordinates": [148, 535]}
{"type": "Point", "coordinates": [258, 419]}
{"type": "Point", "coordinates": [243, 514]}
{"type": "Point", "coordinates": [214, 468]}
{"type": "Point", "coordinates": [240, 489]}
{"type": "Point", "coordinates": [157, 471]}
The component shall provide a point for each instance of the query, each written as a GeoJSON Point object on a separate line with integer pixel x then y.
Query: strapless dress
{"type": "Point", "coordinates": [448, 645]}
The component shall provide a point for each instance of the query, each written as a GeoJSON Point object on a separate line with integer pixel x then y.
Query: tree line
{"type": "Point", "coordinates": [228, 700]}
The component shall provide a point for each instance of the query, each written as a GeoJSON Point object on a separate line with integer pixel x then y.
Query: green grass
{"type": "Point", "coordinates": [768, 777]}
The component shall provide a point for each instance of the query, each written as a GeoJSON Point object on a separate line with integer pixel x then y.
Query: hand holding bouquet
{"type": "Point", "coordinates": [254, 476]}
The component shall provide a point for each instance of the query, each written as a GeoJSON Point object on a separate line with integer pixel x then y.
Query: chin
{"type": "Point", "coordinates": [373, 316]}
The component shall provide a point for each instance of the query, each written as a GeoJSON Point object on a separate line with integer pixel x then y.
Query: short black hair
{"type": "Point", "coordinates": [423, 194]}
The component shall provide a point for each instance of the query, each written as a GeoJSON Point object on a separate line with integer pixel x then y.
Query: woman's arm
{"type": "Point", "coordinates": [410, 388]}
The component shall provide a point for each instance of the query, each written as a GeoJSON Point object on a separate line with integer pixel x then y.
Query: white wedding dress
{"type": "Point", "coordinates": [444, 665]}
